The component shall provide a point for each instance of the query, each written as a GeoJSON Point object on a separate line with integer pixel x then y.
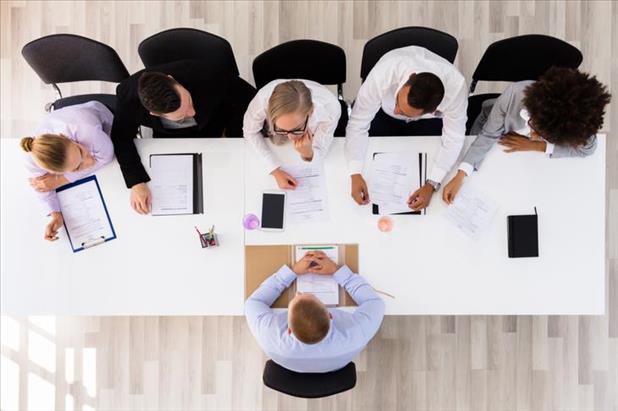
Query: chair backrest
{"type": "Point", "coordinates": [524, 57]}
{"type": "Point", "coordinates": [309, 385]}
{"type": "Point", "coordinates": [108, 100]}
{"type": "Point", "coordinates": [187, 44]}
{"type": "Point", "coordinates": [305, 59]}
{"type": "Point", "coordinates": [63, 58]}
{"type": "Point", "coordinates": [443, 44]}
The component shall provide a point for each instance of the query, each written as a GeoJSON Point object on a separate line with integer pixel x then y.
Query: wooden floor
{"type": "Point", "coordinates": [415, 363]}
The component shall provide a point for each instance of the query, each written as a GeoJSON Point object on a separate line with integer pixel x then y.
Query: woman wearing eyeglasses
{"type": "Point", "coordinates": [301, 112]}
{"type": "Point", "coordinates": [559, 115]}
{"type": "Point", "coordinates": [71, 143]}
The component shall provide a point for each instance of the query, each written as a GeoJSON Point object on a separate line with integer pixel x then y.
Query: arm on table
{"type": "Point", "coordinates": [367, 104]}
{"type": "Point", "coordinates": [453, 136]}
{"type": "Point", "coordinates": [581, 151]}
{"type": "Point", "coordinates": [370, 311]}
{"type": "Point", "coordinates": [257, 306]}
{"type": "Point", "coordinates": [492, 130]}
{"type": "Point", "coordinates": [124, 130]}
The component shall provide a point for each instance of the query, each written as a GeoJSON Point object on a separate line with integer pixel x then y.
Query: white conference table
{"type": "Point", "coordinates": [156, 266]}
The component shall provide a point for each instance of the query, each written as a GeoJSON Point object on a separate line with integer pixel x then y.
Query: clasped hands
{"type": "Point", "coordinates": [48, 182]}
{"type": "Point", "coordinates": [315, 262]}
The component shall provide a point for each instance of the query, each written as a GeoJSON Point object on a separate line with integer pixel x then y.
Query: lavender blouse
{"type": "Point", "coordinates": [88, 124]}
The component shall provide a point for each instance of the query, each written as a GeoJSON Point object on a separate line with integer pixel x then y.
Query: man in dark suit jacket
{"type": "Point", "coordinates": [188, 98]}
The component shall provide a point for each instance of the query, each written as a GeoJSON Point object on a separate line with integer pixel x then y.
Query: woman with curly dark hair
{"type": "Point", "coordinates": [558, 115]}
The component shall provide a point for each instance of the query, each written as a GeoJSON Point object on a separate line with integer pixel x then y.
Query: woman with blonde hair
{"type": "Point", "coordinates": [71, 143]}
{"type": "Point", "coordinates": [300, 111]}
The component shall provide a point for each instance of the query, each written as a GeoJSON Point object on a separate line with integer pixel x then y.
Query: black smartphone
{"type": "Point", "coordinates": [273, 210]}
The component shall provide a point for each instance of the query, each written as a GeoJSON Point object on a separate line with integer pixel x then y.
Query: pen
{"type": "Point", "coordinates": [317, 248]}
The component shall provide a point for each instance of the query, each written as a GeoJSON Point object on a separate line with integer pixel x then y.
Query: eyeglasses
{"type": "Point", "coordinates": [295, 132]}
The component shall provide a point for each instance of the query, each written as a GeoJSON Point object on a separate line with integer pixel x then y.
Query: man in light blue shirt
{"type": "Point", "coordinates": [310, 337]}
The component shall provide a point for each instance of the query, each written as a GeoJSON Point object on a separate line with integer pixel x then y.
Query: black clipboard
{"type": "Point", "coordinates": [422, 172]}
{"type": "Point", "coordinates": [198, 184]}
{"type": "Point", "coordinates": [83, 246]}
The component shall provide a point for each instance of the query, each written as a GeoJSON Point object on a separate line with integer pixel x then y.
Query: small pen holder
{"type": "Point", "coordinates": [209, 240]}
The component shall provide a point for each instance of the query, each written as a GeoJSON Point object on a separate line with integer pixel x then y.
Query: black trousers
{"type": "Point", "coordinates": [385, 125]}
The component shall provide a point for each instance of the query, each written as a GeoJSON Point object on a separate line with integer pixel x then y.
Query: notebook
{"type": "Point", "coordinates": [523, 236]}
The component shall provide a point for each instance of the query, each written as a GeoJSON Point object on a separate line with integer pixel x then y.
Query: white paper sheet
{"type": "Point", "coordinates": [324, 287]}
{"type": "Point", "coordinates": [309, 201]}
{"type": "Point", "coordinates": [472, 211]}
{"type": "Point", "coordinates": [394, 176]}
{"type": "Point", "coordinates": [84, 214]}
{"type": "Point", "coordinates": [171, 184]}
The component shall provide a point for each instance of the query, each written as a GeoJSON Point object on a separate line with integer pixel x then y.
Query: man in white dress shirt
{"type": "Point", "coordinates": [310, 337]}
{"type": "Point", "coordinates": [408, 84]}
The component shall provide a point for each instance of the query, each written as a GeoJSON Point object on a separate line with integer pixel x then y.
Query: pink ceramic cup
{"type": "Point", "coordinates": [385, 224]}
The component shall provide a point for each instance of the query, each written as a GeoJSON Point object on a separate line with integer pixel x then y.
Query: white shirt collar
{"type": "Point", "coordinates": [525, 131]}
{"type": "Point", "coordinates": [389, 103]}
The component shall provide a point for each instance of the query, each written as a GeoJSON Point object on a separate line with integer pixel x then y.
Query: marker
{"type": "Point", "coordinates": [317, 248]}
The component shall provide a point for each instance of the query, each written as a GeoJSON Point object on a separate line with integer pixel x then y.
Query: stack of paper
{"type": "Point", "coordinates": [308, 202]}
{"type": "Point", "coordinates": [394, 176]}
{"type": "Point", "coordinates": [471, 212]}
{"type": "Point", "coordinates": [171, 184]}
{"type": "Point", "coordinates": [324, 287]}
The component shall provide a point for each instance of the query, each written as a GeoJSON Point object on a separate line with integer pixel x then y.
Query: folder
{"type": "Point", "coordinates": [523, 236]}
{"type": "Point", "coordinates": [422, 172]}
{"type": "Point", "coordinates": [176, 183]}
{"type": "Point", "coordinates": [85, 215]}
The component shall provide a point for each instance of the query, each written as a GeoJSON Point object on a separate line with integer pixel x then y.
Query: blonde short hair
{"type": "Point", "coordinates": [288, 97]}
{"type": "Point", "coordinates": [48, 150]}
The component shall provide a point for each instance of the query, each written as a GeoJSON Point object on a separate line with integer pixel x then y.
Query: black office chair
{"type": "Point", "coordinates": [187, 44]}
{"type": "Point", "coordinates": [518, 58]}
{"type": "Point", "coordinates": [297, 59]}
{"type": "Point", "coordinates": [443, 44]}
{"type": "Point", "coordinates": [438, 42]}
{"type": "Point", "coordinates": [309, 385]}
{"type": "Point", "coordinates": [63, 58]}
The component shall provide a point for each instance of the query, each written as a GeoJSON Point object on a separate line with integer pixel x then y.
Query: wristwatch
{"type": "Point", "coordinates": [436, 186]}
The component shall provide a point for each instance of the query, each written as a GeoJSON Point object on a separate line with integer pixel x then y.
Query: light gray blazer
{"type": "Point", "coordinates": [502, 115]}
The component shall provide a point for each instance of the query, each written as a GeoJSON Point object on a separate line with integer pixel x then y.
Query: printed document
{"type": "Point", "coordinates": [472, 211]}
{"type": "Point", "coordinates": [84, 214]}
{"type": "Point", "coordinates": [394, 176]}
{"type": "Point", "coordinates": [324, 287]}
{"type": "Point", "coordinates": [309, 201]}
{"type": "Point", "coordinates": [171, 184]}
